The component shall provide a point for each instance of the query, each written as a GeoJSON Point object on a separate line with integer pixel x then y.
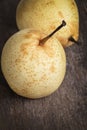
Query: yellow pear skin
{"type": "Point", "coordinates": [46, 15]}
{"type": "Point", "coordinates": [33, 70]}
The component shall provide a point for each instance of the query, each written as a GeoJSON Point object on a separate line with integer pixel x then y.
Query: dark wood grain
{"type": "Point", "coordinates": [66, 109]}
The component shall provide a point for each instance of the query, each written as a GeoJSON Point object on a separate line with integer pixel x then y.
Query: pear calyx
{"type": "Point", "coordinates": [73, 40]}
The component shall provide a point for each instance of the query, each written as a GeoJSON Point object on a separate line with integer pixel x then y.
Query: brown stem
{"type": "Point", "coordinates": [42, 41]}
{"type": "Point", "coordinates": [73, 40]}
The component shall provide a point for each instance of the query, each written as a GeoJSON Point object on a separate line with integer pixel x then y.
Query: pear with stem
{"type": "Point", "coordinates": [33, 64]}
{"type": "Point", "coordinates": [45, 15]}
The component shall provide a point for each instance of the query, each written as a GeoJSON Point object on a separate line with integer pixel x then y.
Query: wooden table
{"type": "Point", "coordinates": [66, 109]}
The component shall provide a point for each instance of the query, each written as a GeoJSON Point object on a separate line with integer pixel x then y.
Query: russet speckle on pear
{"type": "Point", "coordinates": [33, 70]}
{"type": "Point", "coordinates": [47, 15]}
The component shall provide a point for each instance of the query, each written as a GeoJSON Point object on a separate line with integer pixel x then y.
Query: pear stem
{"type": "Point", "coordinates": [73, 40]}
{"type": "Point", "coordinates": [42, 41]}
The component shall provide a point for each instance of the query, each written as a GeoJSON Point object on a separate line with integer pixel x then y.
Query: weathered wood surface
{"type": "Point", "coordinates": [66, 109]}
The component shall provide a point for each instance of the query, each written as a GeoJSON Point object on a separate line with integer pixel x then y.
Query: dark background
{"type": "Point", "coordinates": [66, 109]}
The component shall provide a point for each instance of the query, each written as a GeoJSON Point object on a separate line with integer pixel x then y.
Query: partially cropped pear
{"type": "Point", "coordinates": [47, 14]}
{"type": "Point", "coordinates": [33, 64]}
